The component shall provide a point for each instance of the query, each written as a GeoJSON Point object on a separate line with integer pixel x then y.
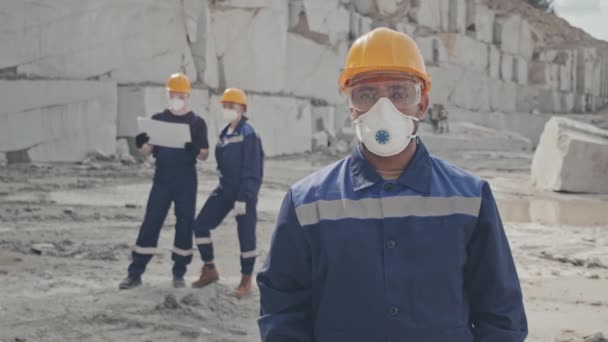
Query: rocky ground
{"type": "Point", "coordinates": [66, 233]}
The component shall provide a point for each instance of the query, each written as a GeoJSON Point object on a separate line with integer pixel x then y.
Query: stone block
{"type": "Point", "coordinates": [537, 73]}
{"type": "Point", "coordinates": [472, 92]}
{"type": "Point", "coordinates": [503, 96]}
{"type": "Point", "coordinates": [284, 124]}
{"type": "Point", "coordinates": [528, 99]}
{"type": "Point", "coordinates": [329, 18]}
{"type": "Point", "coordinates": [365, 7]}
{"type": "Point", "coordinates": [565, 78]}
{"type": "Point", "coordinates": [465, 51]}
{"type": "Point", "coordinates": [526, 43]}
{"type": "Point", "coordinates": [203, 46]}
{"type": "Point", "coordinates": [552, 76]}
{"type": "Point", "coordinates": [494, 65]}
{"type": "Point", "coordinates": [142, 101]}
{"type": "Point", "coordinates": [506, 33]}
{"type": "Point", "coordinates": [506, 68]}
{"type": "Point", "coordinates": [457, 16]}
{"type": "Point", "coordinates": [480, 22]}
{"type": "Point", "coordinates": [96, 40]}
{"type": "Point", "coordinates": [513, 35]}
{"type": "Point", "coordinates": [571, 157]}
{"type": "Point", "coordinates": [387, 7]}
{"type": "Point", "coordinates": [244, 56]}
{"type": "Point", "coordinates": [433, 50]}
{"type": "Point", "coordinates": [324, 119]}
{"type": "Point", "coordinates": [567, 102]}
{"type": "Point", "coordinates": [313, 69]}
{"type": "Point", "coordinates": [61, 121]}
{"type": "Point", "coordinates": [359, 25]}
{"type": "Point", "coordinates": [445, 79]}
{"type": "Point", "coordinates": [432, 14]}
{"type": "Point", "coordinates": [520, 70]}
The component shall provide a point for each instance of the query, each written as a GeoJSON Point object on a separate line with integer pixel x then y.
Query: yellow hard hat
{"type": "Point", "coordinates": [234, 95]}
{"type": "Point", "coordinates": [384, 49]}
{"type": "Point", "coordinates": [179, 83]}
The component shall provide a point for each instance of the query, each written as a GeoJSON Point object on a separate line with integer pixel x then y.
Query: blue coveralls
{"type": "Point", "coordinates": [358, 258]}
{"type": "Point", "coordinates": [175, 181]}
{"type": "Point", "coordinates": [240, 162]}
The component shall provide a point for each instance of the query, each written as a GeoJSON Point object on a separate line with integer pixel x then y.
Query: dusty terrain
{"type": "Point", "coordinates": [90, 214]}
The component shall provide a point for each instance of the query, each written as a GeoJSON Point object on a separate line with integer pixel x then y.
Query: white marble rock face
{"type": "Point", "coordinates": [128, 41]}
{"type": "Point", "coordinates": [61, 121]}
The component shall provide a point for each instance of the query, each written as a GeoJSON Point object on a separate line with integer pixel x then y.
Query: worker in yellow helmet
{"type": "Point", "coordinates": [240, 162]}
{"type": "Point", "coordinates": [390, 243]}
{"type": "Point", "coordinates": [175, 181]}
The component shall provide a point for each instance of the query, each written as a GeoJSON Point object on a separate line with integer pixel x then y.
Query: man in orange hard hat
{"type": "Point", "coordinates": [390, 243]}
{"type": "Point", "coordinates": [240, 162]}
{"type": "Point", "coordinates": [175, 181]}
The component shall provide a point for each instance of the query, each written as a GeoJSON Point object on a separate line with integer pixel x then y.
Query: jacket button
{"type": "Point", "coordinates": [388, 187]}
{"type": "Point", "coordinates": [394, 311]}
{"type": "Point", "coordinates": [391, 244]}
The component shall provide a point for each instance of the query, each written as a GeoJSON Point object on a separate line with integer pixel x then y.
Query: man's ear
{"type": "Point", "coordinates": [423, 105]}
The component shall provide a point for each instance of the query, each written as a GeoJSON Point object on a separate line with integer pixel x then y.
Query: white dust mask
{"type": "Point", "coordinates": [176, 104]}
{"type": "Point", "coordinates": [229, 114]}
{"type": "Point", "coordinates": [384, 130]}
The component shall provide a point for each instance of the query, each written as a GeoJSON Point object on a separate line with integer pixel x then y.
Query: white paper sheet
{"type": "Point", "coordinates": [165, 134]}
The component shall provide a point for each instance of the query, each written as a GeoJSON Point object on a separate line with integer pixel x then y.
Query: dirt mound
{"type": "Point", "coordinates": [549, 30]}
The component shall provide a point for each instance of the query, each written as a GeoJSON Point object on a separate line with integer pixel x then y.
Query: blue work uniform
{"type": "Point", "coordinates": [175, 181]}
{"type": "Point", "coordinates": [422, 258]}
{"type": "Point", "coordinates": [240, 162]}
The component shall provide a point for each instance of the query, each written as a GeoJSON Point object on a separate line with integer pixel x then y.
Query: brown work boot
{"type": "Point", "coordinates": [244, 288]}
{"type": "Point", "coordinates": [208, 276]}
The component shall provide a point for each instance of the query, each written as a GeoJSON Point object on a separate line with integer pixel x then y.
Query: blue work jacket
{"type": "Point", "coordinates": [240, 162]}
{"type": "Point", "coordinates": [421, 258]}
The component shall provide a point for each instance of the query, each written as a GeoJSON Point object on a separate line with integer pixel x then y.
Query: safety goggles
{"type": "Point", "coordinates": [403, 90]}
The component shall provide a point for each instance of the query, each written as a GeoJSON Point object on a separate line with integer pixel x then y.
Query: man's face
{"type": "Point", "coordinates": [402, 89]}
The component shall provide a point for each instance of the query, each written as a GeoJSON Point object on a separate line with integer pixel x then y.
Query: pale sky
{"type": "Point", "coordinates": [590, 15]}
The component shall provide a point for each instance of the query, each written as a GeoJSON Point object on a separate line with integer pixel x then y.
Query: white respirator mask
{"type": "Point", "coordinates": [176, 104]}
{"type": "Point", "coordinates": [229, 114]}
{"type": "Point", "coordinates": [384, 130]}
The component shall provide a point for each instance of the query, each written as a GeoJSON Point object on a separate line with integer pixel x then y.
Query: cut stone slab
{"type": "Point", "coordinates": [139, 101]}
{"type": "Point", "coordinates": [61, 121]}
{"type": "Point", "coordinates": [324, 119]}
{"type": "Point", "coordinates": [327, 17]}
{"type": "Point", "coordinates": [513, 35]}
{"type": "Point", "coordinates": [457, 16]}
{"type": "Point", "coordinates": [503, 96]}
{"type": "Point", "coordinates": [365, 7]}
{"type": "Point", "coordinates": [313, 69]}
{"type": "Point", "coordinates": [494, 62]}
{"type": "Point", "coordinates": [465, 51]}
{"type": "Point", "coordinates": [66, 46]}
{"type": "Point", "coordinates": [472, 92]}
{"type": "Point", "coordinates": [432, 14]}
{"type": "Point", "coordinates": [433, 50]}
{"type": "Point", "coordinates": [520, 70]}
{"type": "Point", "coordinates": [284, 124]}
{"type": "Point", "coordinates": [241, 48]}
{"type": "Point", "coordinates": [480, 21]}
{"type": "Point", "coordinates": [506, 67]}
{"type": "Point", "coordinates": [572, 157]}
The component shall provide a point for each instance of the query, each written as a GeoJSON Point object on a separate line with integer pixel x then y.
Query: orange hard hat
{"type": "Point", "coordinates": [384, 49]}
{"type": "Point", "coordinates": [179, 83]}
{"type": "Point", "coordinates": [234, 95]}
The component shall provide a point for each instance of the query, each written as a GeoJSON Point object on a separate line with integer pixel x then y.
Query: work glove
{"type": "Point", "coordinates": [141, 139]}
{"type": "Point", "coordinates": [192, 148]}
{"type": "Point", "coordinates": [240, 208]}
